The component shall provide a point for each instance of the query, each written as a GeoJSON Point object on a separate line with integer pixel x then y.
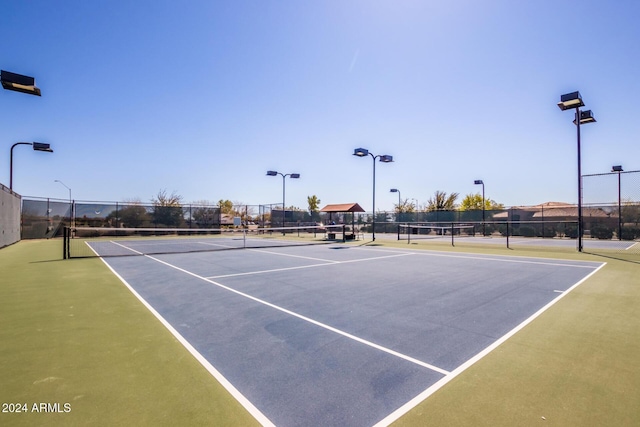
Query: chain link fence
{"type": "Point", "coordinates": [610, 210]}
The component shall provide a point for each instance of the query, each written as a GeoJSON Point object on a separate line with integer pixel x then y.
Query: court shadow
{"type": "Point", "coordinates": [617, 258]}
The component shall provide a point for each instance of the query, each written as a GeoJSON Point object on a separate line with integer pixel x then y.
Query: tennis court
{"type": "Point", "coordinates": [342, 334]}
{"type": "Point", "coordinates": [467, 234]}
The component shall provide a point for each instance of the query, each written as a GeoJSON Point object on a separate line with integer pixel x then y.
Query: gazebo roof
{"type": "Point", "coordinates": [343, 207]}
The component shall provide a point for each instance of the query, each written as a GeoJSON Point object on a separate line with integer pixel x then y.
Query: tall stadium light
{"type": "Point", "coordinates": [574, 101]}
{"type": "Point", "coordinates": [71, 215]}
{"type": "Point", "coordinates": [480, 182]}
{"type": "Point", "coordinates": [37, 146]}
{"type": "Point", "coordinates": [618, 170]}
{"type": "Point", "coordinates": [284, 175]}
{"type": "Point", "coordinates": [19, 83]}
{"type": "Point", "coordinates": [385, 158]}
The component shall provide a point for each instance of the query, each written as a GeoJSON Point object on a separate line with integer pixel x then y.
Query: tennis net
{"type": "Point", "coordinates": [81, 242]}
{"type": "Point", "coordinates": [411, 232]}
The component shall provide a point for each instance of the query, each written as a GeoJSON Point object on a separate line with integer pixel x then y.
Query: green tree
{"type": "Point", "coordinates": [226, 206]}
{"type": "Point", "coordinates": [441, 202]}
{"type": "Point", "coordinates": [314, 207]}
{"type": "Point", "coordinates": [405, 206]}
{"type": "Point", "coordinates": [474, 202]}
{"type": "Point", "coordinates": [404, 210]}
{"type": "Point", "coordinates": [167, 209]}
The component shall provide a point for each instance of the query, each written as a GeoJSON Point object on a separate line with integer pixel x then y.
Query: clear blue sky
{"type": "Point", "coordinates": [201, 98]}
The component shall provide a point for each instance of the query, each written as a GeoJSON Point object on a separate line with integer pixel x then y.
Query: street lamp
{"type": "Point", "coordinates": [385, 158]}
{"type": "Point", "coordinates": [619, 170]}
{"type": "Point", "coordinates": [480, 182]}
{"type": "Point", "coordinates": [395, 190]}
{"type": "Point", "coordinates": [37, 146]}
{"type": "Point", "coordinates": [570, 101]}
{"type": "Point", "coordinates": [71, 215]}
{"type": "Point", "coordinates": [19, 83]}
{"type": "Point", "coordinates": [290, 175]}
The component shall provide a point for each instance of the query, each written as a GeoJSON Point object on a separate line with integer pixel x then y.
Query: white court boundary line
{"type": "Point", "coordinates": [246, 403]}
{"type": "Point", "coordinates": [496, 258]}
{"type": "Point", "coordinates": [307, 319]}
{"type": "Point", "coordinates": [394, 416]}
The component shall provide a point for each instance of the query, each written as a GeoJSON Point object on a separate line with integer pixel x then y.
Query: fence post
{"type": "Point", "coordinates": [65, 242]}
{"type": "Point", "coordinates": [452, 233]}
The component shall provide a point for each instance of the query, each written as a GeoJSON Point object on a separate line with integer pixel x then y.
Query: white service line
{"type": "Point", "coordinates": [249, 273]}
{"type": "Point", "coordinates": [294, 256]}
{"type": "Point", "coordinates": [307, 319]}
{"type": "Point", "coordinates": [325, 263]}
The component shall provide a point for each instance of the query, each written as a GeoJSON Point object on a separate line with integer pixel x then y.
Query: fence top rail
{"type": "Point", "coordinates": [610, 173]}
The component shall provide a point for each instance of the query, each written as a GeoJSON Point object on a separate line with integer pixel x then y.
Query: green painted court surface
{"type": "Point", "coordinates": [72, 333]}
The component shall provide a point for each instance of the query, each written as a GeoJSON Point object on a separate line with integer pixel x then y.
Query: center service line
{"type": "Point", "coordinates": [325, 262]}
{"type": "Point", "coordinates": [307, 319]}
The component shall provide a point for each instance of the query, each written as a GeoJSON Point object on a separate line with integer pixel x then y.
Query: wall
{"type": "Point", "coordinates": [9, 216]}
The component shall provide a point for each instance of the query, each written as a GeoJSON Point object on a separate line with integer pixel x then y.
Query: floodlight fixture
{"type": "Point", "coordinates": [478, 182]}
{"type": "Point", "coordinates": [616, 169]}
{"type": "Point", "coordinates": [284, 175]}
{"type": "Point", "coordinates": [19, 83]}
{"type": "Point", "coordinates": [385, 158]}
{"type": "Point", "coordinates": [586, 117]}
{"type": "Point", "coordinates": [41, 146]}
{"type": "Point", "coordinates": [570, 100]}
{"type": "Point", "coordinates": [394, 190]}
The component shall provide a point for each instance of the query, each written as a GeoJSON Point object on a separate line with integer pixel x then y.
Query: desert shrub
{"type": "Point", "coordinates": [601, 231]}
{"type": "Point", "coordinates": [630, 232]}
{"type": "Point", "coordinates": [527, 231]}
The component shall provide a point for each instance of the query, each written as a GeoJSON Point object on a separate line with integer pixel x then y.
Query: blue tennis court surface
{"type": "Point", "coordinates": [337, 334]}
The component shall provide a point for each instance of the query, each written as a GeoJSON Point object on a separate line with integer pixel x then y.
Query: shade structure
{"type": "Point", "coordinates": [342, 208]}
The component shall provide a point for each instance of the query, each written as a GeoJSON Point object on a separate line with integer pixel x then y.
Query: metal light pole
{"type": "Point", "coordinates": [37, 146]}
{"type": "Point", "coordinates": [284, 175]}
{"type": "Point", "coordinates": [619, 170]}
{"type": "Point", "coordinates": [395, 190]}
{"type": "Point", "coordinates": [71, 215]}
{"type": "Point", "coordinates": [385, 158]}
{"type": "Point", "coordinates": [480, 182]}
{"type": "Point", "coordinates": [569, 101]}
